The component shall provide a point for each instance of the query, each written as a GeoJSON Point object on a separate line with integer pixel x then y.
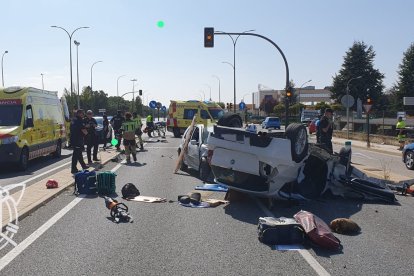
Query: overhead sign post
{"type": "Point", "coordinates": [367, 108]}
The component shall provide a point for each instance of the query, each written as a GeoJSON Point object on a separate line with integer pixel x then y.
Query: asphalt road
{"type": "Point", "coordinates": [167, 238]}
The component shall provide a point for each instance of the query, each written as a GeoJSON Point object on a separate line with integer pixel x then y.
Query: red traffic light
{"type": "Point", "coordinates": [209, 37]}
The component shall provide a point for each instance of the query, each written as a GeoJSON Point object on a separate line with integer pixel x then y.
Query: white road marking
{"type": "Point", "coordinates": [16, 251]}
{"type": "Point", "coordinates": [305, 253]}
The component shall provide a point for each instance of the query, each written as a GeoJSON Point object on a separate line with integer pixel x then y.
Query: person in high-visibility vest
{"type": "Point", "coordinates": [138, 132]}
{"type": "Point", "coordinates": [401, 132]}
{"type": "Point", "coordinates": [128, 129]}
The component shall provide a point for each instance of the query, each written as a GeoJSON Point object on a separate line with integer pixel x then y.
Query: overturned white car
{"type": "Point", "coordinates": [285, 165]}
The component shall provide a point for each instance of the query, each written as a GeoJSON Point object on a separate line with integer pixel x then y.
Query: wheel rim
{"type": "Point", "coordinates": [300, 141]}
{"type": "Point", "coordinates": [409, 160]}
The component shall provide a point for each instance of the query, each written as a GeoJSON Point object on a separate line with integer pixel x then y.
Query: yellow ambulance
{"type": "Point", "coordinates": [181, 113]}
{"type": "Point", "coordinates": [32, 124]}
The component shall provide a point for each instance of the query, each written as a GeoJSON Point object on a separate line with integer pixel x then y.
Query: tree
{"type": "Point", "coordinates": [221, 104]}
{"type": "Point", "coordinates": [322, 106]}
{"type": "Point", "coordinates": [405, 83]}
{"type": "Point", "coordinates": [358, 61]}
{"type": "Point", "coordinates": [268, 103]}
{"type": "Point", "coordinates": [279, 109]}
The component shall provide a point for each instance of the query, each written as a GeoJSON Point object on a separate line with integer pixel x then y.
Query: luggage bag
{"type": "Point", "coordinates": [85, 182]}
{"type": "Point", "coordinates": [280, 231]}
{"type": "Point", "coordinates": [106, 183]}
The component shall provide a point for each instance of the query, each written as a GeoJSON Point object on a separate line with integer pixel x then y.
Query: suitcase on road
{"type": "Point", "coordinates": [85, 182]}
{"type": "Point", "coordinates": [280, 231]}
{"type": "Point", "coordinates": [106, 183]}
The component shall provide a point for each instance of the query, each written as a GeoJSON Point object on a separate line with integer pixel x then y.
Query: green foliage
{"type": "Point", "coordinates": [279, 109]}
{"type": "Point", "coordinates": [296, 108]}
{"type": "Point", "coordinates": [221, 104]}
{"type": "Point", "coordinates": [405, 83]}
{"type": "Point", "coordinates": [337, 107]}
{"type": "Point", "coordinates": [358, 61]}
{"type": "Point", "coordinates": [322, 106]}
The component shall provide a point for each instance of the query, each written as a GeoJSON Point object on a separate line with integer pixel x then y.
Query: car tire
{"type": "Point", "coordinates": [176, 132]}
{"type": "Point", "coordinates": [409, 159]}
{"type": "Point", "coordinates": [230, 120]}
{"type": "Point", "coordinates": [204, 170]}
{"type": "Point", "coordinates": [24, 159]}
{"type": "Point", "coordinates": [58, 152]}
{"type": "Point", "coordinates": [298, 137]}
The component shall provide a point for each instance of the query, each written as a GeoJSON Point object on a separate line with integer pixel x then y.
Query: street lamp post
{"type": "Point", "coordinates": [214, 76]}
{"type": "Point", "coordinates": [92, 70]}
{"type": "Point", "coordinates": [301, 89]}
{"type": "Point", "coordinates": [70, 53]}
{"type": "Point", "coordinates": [210, 89]}
{"type": "Point", "coordinates": [2, 76]}
{"type": "Point", "coordinates": [43, 85]}
{"type": "Point", "coordinates": [347, 106]}
{"type": "Point", "coordinates": [77, 69]}
{"type": "Point", "coordinates": [234, 66]}
{"type": "Point", "coordinates": [117, 85]}
{"type": "Point", "coordinates": [133, 94]}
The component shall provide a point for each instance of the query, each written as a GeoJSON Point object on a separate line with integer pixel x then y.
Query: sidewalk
{"type": "Point", "coordinates": [37, 194]}
{"type": "Point", "coordinates": [387, 149]}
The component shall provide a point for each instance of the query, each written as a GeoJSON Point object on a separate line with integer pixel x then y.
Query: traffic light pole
{"type": "Point", "coordinates": [280, 51]}
{"type": "Point", "coordinates": [368, 143]}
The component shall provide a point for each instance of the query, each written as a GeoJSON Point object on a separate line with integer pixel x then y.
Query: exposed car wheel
{"type": "Point", "coordinates": [230, 120]}
{"type": "Point", "coordinates": [298, 137]}
{"type": "Point", "coordinates": [24, 159]}
{"type": "Point", "coordinates": [204, 170]}
{"type": "Point", "coordinates": [409, 160]}
{"type": "Point", "coordinates": [58, 152]}
{"type": "Point", "coordinates": [176, 132]}
{"type": "Point", "coordinates": [183, 166]}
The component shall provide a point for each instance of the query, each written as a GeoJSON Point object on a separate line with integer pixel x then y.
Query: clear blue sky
{"type": "Point", "coordinates": [172, 63]}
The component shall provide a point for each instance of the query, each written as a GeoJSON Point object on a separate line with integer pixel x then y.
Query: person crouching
{"type": "Point", "coordinates": [128, 129]}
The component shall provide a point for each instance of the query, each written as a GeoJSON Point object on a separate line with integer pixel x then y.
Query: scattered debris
{"type": "Point", "coordinates": [344, 226]}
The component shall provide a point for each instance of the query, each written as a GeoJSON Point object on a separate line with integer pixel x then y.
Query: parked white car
{"type": "Point", "coordinates": [197, 154]}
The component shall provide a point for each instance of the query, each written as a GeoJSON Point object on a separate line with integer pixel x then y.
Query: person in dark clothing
{"type": "Point", "coordinates": [91, 137]}
{"type": "Point", "coordinates": [77, 131]}
{"type": "Point", "coordinates": [105, 130]}
{"type": "Point", "coordinates": [116, 123]}
{"type": "Point", "coordinates": [326, 130]}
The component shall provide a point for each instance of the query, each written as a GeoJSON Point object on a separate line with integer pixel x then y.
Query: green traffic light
{"type": "Point", "coordinates": [160, 24]}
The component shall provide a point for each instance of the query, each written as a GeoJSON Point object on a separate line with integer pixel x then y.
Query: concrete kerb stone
{"type": "Point", "coordinates": [372, 148]}
{"type": "Point", "coordinates": [36, 195]}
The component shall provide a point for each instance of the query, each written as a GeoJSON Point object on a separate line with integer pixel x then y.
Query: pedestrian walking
{"type": "Point", "coordinates": [138, 132]}
{"type": "Point", "coordinates": [400, 127]}
{"type": "Point", "coordinates": [116, 123]}
{"type": "Point", "coordinates": [92, 141]}
{"type": "Point", "coordinates": [78, 131]}
{"type": "Point", "coordinates": [326, 130]}
{"type": "Point", "coordinates": [128, 129]}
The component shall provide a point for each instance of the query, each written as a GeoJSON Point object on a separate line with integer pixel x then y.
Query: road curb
{"type": "Point", "coordinates": [26, 211]}
{"type": "Point", "coordinates": [371, 149]}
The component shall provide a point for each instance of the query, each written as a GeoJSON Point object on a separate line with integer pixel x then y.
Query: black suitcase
{"type": "Point", "coordinates": [280, 231]}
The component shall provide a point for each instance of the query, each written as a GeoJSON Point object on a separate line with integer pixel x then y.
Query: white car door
{"type": "Point", "coordinates": [193, 155]}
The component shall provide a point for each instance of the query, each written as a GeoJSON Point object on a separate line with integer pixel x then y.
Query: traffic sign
{"type": "Point", "coordinates": [367, 107]}
{"type": "Point", "coordinates": [242, 105]}
{"type": "Point", "coordinates": [102, 110]}
{"type": "Point", "coordinates": [153, 104]}
{"type": "Point", "coordinates": [159, 105]}
{"type": "Point", "coordinates": [347, 101]}
{"type": "Point", "coordinates": [163, 108]}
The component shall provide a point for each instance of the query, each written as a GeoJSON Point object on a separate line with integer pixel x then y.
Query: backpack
{"type": "Point", "coordinates": [129, 191]}
{"type": "Point", "coordinates": [280, 231]}
{"type": "Point", "coordinates": [317, 230]}
{"type": "Point", "coordinates": [85, 182]}
{"type": "Point", "coordinates": [105, 183]}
